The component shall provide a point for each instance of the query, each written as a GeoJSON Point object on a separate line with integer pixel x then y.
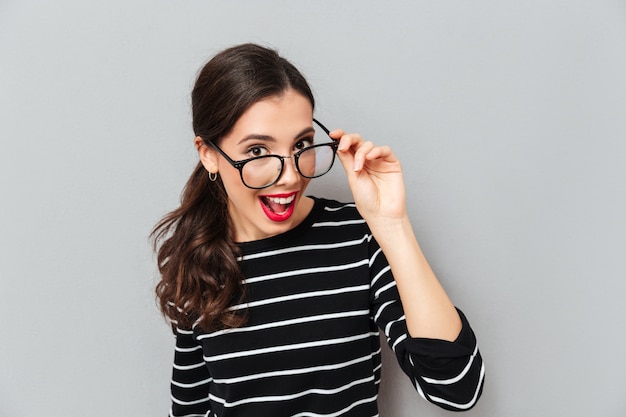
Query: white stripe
{"type": "Point", "coordinates": [283, 348]}
{"type": "Point", "coordinates": [300, 394]}
{"type": "Point", "coordinates": [305, 271]}
{"type": "Point", "coordinates": [385, 288]}
{"type": "Point", "coordinates": [382, 307]}
{"type": "Point", "coordinates": [181, 402]}
{"type": "Point", "coordinates": [195, 384]}
{"type": "Point", "coordinates": [340, 412]}
{"type": "Point", "coordinates": [171, 414]}
{"type": "Point", "coordinates": [188, 367]}
{"type": "Point", "coordinates": [459, 376]}
{"type": "Point", "coordinates": [380, 274]}
{"type": "Point", "coordinates": [379, 367]}
{"type": "Point", "coordinates": [305, 248]}
{"type": "Point", "coordinates": [391, 323]}
{"type": "Point", "coordinates": [296, 371]}
{"type": "Point", "coordinates": [338, 223]}
{"type": "Point", "coordinates": [187, 350]}
{"type": "Point", "coordinates": [471, 403]}
{"type": "Point", "coordinates": [417, 385]}
{"type": "Point", "coordinates": [300, 296]}
{"type": "Point", "coordinates": [398, 340]}
{"type": "Point", "coordinates": [217, 399]}
{"type": "Point", "coordinates": [282, 323]}
{"type": "Point", "coordinates": [180, 310]}
{"type": "Point", "coordinates": [374, 256]}
{"type": "Point", "coordinates": [340, 207]}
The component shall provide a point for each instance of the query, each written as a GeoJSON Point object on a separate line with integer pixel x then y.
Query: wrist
{"type": "Point", "coordinates": [391, 229]}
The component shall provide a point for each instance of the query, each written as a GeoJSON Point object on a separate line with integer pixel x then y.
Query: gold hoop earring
{"type": "Point", "coordinates": [213, 176]}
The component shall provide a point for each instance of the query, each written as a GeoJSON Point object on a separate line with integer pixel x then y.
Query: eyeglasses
{"type": "Point", "coordinates": [264, 171]}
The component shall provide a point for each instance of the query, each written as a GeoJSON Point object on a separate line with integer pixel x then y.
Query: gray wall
{"type": "Point", "coordinates": [510, 118]}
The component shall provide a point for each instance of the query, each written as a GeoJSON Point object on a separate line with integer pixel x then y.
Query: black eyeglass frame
{"type": "Point", "coordinates": [239, 164]}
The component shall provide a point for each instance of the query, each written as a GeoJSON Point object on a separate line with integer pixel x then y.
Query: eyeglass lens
{"type": "Point", "coordinates": [312, 162]}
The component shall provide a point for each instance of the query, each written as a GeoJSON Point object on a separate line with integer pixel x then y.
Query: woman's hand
{"type": "Point", "coordinates": [375, 178]}
{"type": "Point", "coordinates": [374, 175]}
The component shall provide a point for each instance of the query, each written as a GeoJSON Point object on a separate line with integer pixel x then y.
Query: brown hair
{"type": "Point", "coordinates": [196, 254]}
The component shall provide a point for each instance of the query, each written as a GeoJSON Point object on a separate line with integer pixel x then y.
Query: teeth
{"type": "Point", "coordinates": [281, 200]}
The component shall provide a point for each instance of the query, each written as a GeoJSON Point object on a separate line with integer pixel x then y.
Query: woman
{"type": "Point", "coordinates": [276, 297]}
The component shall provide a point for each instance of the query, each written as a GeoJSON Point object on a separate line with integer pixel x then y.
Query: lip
{"type": "Point", "coordinates": [279, 217]}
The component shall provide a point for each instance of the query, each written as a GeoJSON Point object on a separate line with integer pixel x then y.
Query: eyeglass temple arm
{"type": "Point", "coordinates": [317, 122]}
{"type": "Point", "coordinates": [228, 158]}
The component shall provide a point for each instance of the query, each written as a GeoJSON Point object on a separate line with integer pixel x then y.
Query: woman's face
{"type": "Point", "coordinates": [278, 125]}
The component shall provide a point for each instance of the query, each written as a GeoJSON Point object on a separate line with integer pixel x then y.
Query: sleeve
{"type": "Point", "coordinates": [190, 378]}
{"type": "Point", "coordinates": [448, 374]}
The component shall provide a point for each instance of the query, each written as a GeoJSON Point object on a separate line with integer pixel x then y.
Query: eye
{"type": "Point", "coordinates": [255, 151]}
{"type": "Point", "coordinates": [303, 143]}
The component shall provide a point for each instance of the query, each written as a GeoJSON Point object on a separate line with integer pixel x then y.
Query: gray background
{"type": "Point", "coordinates": [509, 117]}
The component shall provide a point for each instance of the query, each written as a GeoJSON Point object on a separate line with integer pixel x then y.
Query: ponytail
{"type": "Point", "coordinates": [197, 258]}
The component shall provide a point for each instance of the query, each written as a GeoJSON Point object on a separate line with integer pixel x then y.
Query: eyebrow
{"type": "Point", "coordinates": [257, 136]}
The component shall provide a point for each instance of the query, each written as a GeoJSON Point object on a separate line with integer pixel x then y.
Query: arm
{"type": "Point", "coordinates": [433, 342]}
{"type": "Point", "coordinates": [190, 377]}
{"type": "Point", "coordinates": [375, 178]}
{"type": "Point", "coordinates": [448, 374]}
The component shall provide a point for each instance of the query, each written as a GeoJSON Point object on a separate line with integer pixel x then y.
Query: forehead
{"type": "Point", "coordinates": [279, 117]}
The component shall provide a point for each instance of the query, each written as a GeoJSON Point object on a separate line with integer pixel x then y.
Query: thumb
{"type": "Point", "coordinates": [346, 156]}
{"type": "Point", "coordinates": [353, 177]}
{"type": "Point", "coordinates": [345, 150]}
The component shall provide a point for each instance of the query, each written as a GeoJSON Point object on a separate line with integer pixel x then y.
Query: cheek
{"type": "Point", "coordinates": [305, 182]}
{"type": "Point", "coordinates": [235, 189]}
{"type": "Point", "coordinates": [230, 176]}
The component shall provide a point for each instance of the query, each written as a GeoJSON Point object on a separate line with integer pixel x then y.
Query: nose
{"type": "Point", "coordinates": [290, 173]}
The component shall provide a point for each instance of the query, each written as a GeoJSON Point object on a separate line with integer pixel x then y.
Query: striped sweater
{"type": "Point", "coordinates": [318, 296]}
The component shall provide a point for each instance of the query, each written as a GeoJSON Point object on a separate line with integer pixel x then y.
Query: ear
{"type": "Point", "coordinates": [208, 155]}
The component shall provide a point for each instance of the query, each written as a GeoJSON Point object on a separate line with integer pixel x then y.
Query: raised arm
{"type": "Point", "coordinates": [376, 181]}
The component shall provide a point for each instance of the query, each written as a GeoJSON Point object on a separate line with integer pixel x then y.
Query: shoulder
{"type": "Point", "coordinates": [326, 209]}
{"type": "Point", "coordinates": [339, 219]}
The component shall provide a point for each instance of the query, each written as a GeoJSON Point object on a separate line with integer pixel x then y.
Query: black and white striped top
{"type": "Point", "coordinates": [317, 297]}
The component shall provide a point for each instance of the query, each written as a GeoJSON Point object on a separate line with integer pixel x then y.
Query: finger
{"type": "Point", "coordinates": [362, 151]}
{"type": "Point", "coordinates": [336, 134]}
{"type": "Point", "coordinates": [349, 145]}
{"type": "Point", "coordinates": [348, 141]}
{"type": "Point", "coordinates": [347, 150]}
{"type": "Point", "coordinates": [346, 157]}
{"type": "Point", "coordinates": [381, 152]}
